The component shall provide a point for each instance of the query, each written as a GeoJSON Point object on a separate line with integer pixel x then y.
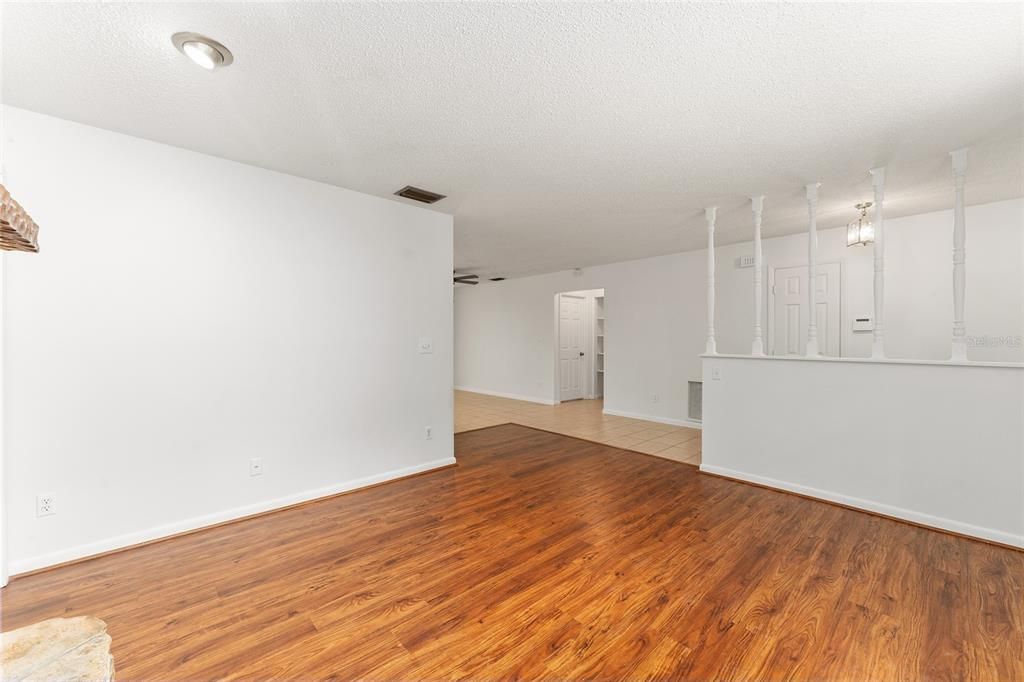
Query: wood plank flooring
{"type": "Point", "coordinates": [543, 556]}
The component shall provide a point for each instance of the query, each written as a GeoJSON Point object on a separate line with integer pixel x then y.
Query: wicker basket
{"type": "Point", "coordinates": [18, 232]}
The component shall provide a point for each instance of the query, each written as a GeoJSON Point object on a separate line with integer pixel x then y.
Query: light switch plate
{"type": "Point", "coordinates": [426, 345]}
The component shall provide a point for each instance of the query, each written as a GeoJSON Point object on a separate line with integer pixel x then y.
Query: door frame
{"type": "Point", "coordinates": [586, 318]}
{"type": "Point", "coordinates": [770, 307]}
{"type": "Point", "coordinates": [588, 346]}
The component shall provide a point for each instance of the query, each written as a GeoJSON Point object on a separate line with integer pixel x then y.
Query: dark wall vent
{"type": "Point", "coordinates": [695, 402]}
{"type": "Point", "coordinates": [421, 195]}
{"type": "Point", "coordinates": [497, 279]}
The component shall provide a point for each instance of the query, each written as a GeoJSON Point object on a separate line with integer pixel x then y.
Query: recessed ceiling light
{"type": "Point", "coordinates": [206, 52]}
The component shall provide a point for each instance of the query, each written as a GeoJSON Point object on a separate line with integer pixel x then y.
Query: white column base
{"type": "Point", "coordinates": [812, 348]}
{"type": "Point", "coordinates": [709, 349]}
{"type": "Point", "coordinates": [877, 350]}
{"type": "Point", "coordinates": [959, 350]}
{"type": "Point", "coordinates": [757, 348]}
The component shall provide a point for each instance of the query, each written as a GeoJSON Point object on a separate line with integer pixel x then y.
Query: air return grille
{"type": "Point", "coordinates": [696, 401]}
{"type": "Point", "coordinates": [417, 194]}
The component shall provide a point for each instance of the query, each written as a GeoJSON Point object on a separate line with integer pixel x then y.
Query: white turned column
{"type": "Point", "coordinates": [757, 205]}
{"type": "Point", "coordinates": [959, 254]}
{"type": "Point", "coordinates": [709, 215]}
{"type": "Point", "coordinates": [812, 269]}
{"type": "Point", "coordinates": [878, 334]}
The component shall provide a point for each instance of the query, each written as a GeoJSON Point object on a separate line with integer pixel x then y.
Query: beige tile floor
{"type": "Point", "coordinates": [582, 419]}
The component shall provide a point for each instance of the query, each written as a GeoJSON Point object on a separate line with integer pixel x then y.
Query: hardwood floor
{"type": "Point", "coordinates": [542, 556]}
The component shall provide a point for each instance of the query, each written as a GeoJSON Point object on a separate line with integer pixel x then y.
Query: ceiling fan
{"type": "Point", "coordinates": [472, 279]}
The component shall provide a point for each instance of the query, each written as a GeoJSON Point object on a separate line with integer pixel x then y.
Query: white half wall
{"type": "Point", "coordinates": [656, 308]}
{"type": "Point", "coordinates": [187, 314]}
{"type": "Point", "coordinates": [936, 444]}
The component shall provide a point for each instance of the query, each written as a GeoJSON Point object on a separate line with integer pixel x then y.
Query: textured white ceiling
{"type": "Point", "coordinates": [563, 134]}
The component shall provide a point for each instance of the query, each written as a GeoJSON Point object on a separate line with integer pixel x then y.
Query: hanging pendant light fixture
{"type": "Point", "coordinates": [861, 232]}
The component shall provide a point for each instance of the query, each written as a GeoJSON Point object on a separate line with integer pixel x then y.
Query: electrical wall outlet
{"type": "Point", "coordinates": [46, 504]}
{"type": "Point", "coordinates": [426, 345]}
{"type": "Point", "coordinates": [428, 432]}
{"type": "Point", "coordinates": [716, 374]}
{"type": "Point", "coordinates": [655, 398]}
{"type": "Point", "coordinates": [256, 466]}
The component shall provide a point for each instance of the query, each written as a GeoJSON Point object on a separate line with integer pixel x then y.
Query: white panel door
{"type": "Point", "coordinates": [789, 303]}
{"type": "Point", "coordinates": [570, 346]}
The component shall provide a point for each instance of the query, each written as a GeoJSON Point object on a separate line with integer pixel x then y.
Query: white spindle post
{"type": "Point", "coordinates": [959, 254]}
{"type": "Point", "coordinates": [878, 334]}
{"type": "Point", "coordinates": [757, 205]}
{"type": "Point", "coordinates": [709, 215]}
{"type": "Point", "coordinates": [812, 262]}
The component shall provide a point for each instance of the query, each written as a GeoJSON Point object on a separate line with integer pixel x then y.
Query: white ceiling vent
{"type": "Point", "coordinates": [421, 195]}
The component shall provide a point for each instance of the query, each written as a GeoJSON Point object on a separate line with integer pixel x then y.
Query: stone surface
{"type": "Point", "coordinates": [66, 649]}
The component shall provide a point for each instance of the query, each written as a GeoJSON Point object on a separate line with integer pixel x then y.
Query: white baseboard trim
{"type": "Point", "coordinates": [689, 423]}
{"type": "Point", "coordinates": [499, 394]}
{"type": "Point", "coordinates": [872, 506]}
{"type": "Point", "coordinates": [128, 539]}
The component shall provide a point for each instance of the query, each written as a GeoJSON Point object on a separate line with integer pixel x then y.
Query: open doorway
{"type": "Point", "coordinates": [579, 345]}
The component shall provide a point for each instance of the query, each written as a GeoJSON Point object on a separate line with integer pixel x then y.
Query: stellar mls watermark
{"type": "Point", "coordinates": [987, 341]}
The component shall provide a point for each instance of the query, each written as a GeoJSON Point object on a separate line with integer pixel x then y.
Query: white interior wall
{"type": "Point", "coordinates": [188, 313]}
{"type": "Point", "coordinates": [514, 323]}
{"type": "Point", "coordinates": [4, 573]}
{"type": "Point", "coordinates": [934, 443]}
{"type": "Point", "coordinates": [656, 310]}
